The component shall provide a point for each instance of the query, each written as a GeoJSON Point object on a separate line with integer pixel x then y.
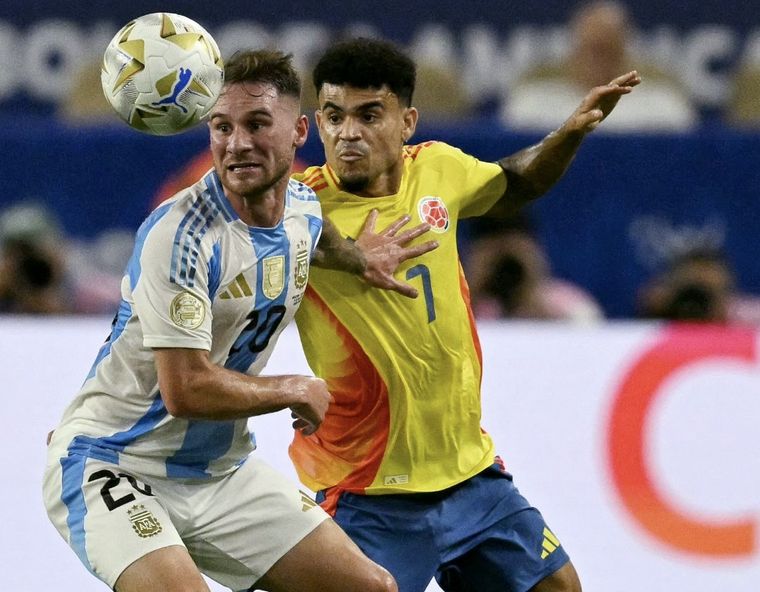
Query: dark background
{"type": "Point", "coordinates": [103, 177]}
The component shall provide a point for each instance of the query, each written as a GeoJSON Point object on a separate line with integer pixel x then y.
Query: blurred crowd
{"type": "Point", "coordinates": [42, 271]}
{"type": "Point", "coordinates": [601, 40]}
{"type": "Point", "coordinates": [510, 277]}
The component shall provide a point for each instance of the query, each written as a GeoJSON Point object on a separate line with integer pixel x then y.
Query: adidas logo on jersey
{"type": "Point", "coordinates": [307, 502]}
{"type": "Point", "coordinates": [549, 544]}
{"type": "Point", "coordinates": [395, 479]}
{"type": "Point", "coordinates": [237, 289]}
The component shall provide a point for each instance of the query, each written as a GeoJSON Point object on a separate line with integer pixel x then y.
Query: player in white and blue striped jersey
{"type": "Point", "coordinates": [154, 452]}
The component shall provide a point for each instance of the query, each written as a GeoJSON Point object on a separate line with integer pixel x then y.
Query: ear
{"type": "Point", "coordinates": [301, 131]}
{"type": "Point", "coordinates": [410, 123]}
{"type": "Point", "coordinates": [318, 119]}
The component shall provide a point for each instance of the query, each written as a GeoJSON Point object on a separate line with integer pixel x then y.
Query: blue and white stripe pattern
{"type": "Point", "coordinates": [206, 207]}
{"type": "Point", "coordinates": [193, 247]}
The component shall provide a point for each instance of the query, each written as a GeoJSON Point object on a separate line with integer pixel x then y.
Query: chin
{"type": "Point", "coordinates": [354, 184]}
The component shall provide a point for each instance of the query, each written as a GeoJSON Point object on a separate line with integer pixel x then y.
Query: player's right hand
{"type": "Point", "coordinates": [385, 250]}
{"type": "Point", "coordinates": [313, 399]}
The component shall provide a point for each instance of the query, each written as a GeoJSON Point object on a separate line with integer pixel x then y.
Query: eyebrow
{"type": "Point", "coordinates": [361, 107]}
{"type": "Point", "coordinates": [254, 113]}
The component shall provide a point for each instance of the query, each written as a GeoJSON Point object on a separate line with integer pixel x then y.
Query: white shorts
{"type": "Point", "coordinates": [234, 527]}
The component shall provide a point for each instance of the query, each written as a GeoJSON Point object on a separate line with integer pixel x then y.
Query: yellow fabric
{"type": "Point", "coordinates": [406, 415]}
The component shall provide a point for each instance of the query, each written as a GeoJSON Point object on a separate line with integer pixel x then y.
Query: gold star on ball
{"type": "Point", "coordinates": [135, 49]}
{"type": "Point", "coordinates": [184, 40]}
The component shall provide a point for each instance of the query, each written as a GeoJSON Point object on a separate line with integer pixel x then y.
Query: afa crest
{"type": "Point", "coordinates": [144, 523]}
{"type": "Point", "coordinates": [274, 276]}
{"type": "Point", "coordinates": [302, 269]}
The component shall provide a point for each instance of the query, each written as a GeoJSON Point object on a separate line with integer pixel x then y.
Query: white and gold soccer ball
{"type": "Point", "coordinates": [162, 73]}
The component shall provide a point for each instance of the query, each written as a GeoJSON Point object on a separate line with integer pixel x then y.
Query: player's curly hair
{"type": "Point", "coordinates": [367, 63]}
{"type": "Point", "coordinates": [264, 65]}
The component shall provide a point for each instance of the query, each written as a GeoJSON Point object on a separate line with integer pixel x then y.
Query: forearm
{"type": "Point", "coordinates": [229, 395]}
{"type": "Point", "coordinates": [531, 172]}
{"type": "Point", "coordinates": [194, 388]}
{"type": "Point", "coordinates": [336, 252]}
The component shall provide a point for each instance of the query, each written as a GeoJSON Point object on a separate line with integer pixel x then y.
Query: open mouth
{"type": "Point", "coordinates": [242, 166]}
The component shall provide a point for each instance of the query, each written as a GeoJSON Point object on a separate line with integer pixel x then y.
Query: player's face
{"type": "Point", "coordinates": [254, 135]}
{"type": "Point", "coordinates": [363, 131]}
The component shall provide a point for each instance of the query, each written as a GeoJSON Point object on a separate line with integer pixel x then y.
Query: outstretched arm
{"type": "Point", "coordinates": [374, 256]}
{"type": "Point", "coordinates": [533, 171]}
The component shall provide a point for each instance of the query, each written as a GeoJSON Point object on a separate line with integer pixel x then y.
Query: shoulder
{"type": "Point", "coordinates": [435, 153]}
{"type": "Point", "coordinates": [195, 213]}
{"type": "Point", "coordinates": [314, 177]}
{"type": "Point", "coordinates": [301, 199]}
{"type": "Point", "coordinates": [430, 150]}
{"type": "Point", "coordinates": [298, 190]}
{"type": "Point", "coordinates": [439, 158]}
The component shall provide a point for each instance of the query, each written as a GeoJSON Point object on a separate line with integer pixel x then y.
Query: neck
{"type": "Point", "coordinates": [387, 183]}
{"type": "Point", "coordinates": [262, 209]}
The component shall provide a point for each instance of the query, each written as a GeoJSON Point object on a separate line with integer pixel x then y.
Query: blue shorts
{"type": "Point", "coordinates": [478, 536]}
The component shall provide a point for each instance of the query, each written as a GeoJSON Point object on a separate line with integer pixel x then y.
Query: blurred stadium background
{"type": "Point", "coordinates": [631, 198]}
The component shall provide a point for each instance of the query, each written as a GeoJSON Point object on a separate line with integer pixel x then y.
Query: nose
{"type": "Point", "coordinates": [350, 129]}
{"type": "Point", "coordinates": [238, 141]}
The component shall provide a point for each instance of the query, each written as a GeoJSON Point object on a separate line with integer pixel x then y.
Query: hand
{"type": "Point", "coordinates": [600, 101]}
{"type": "Point", "coordinates": [314, 399]}
{"type": "Point", "coordinates": [384, 251]}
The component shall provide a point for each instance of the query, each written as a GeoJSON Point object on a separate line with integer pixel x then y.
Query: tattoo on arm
{"type": "Point", "coordinates": [336, 252]}
{"type": "Point", "coordinates": [531, 172]}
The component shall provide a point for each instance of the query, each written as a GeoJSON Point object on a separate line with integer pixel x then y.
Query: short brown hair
{"type": "Point", "coordinates": [264, 65]}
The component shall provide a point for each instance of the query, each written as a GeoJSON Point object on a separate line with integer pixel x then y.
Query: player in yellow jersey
{"type": "Point", "coordinates": [401, 460]}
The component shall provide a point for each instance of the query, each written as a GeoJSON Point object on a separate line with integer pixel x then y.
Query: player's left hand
{"type": "Point", "coordinates": [600, 101]}
{"type": "Point", "coordinates": [385, 250]}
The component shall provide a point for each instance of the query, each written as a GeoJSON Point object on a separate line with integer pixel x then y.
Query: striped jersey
{"type": "Point", "coordinates": [404, 373]}
{"type": "Point", "coordinates": [198, 278]}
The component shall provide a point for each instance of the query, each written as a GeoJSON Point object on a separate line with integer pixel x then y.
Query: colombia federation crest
{"type": "Point", "coordinates": [432, 210]}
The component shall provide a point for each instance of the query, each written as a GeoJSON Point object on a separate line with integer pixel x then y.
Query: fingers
{"type": "Point", "coordinates": [629, 79]}
{"type": "Point", "coordinates": [392, 229]}
{"type": "Point", "coordinates": [609, 92]}
{"type": "Point", "coordinates": [412, 233]}
{"type": "Point", "coordinates": [306, 427]}
{"type": "Point", "coordinates": [386, 281]}
{"type": "Point", "coordinates": [395, 226]}
{"type": "Point", "coordinates": [418, 250]}
{"type": "Point", "coordinates": [369, 223]}
{"type": "Point", "coordinates": [613, 90]}
{"type": "Point", "coordinates": [403, 289]}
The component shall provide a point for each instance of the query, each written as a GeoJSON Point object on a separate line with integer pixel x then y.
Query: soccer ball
{"type": "Point", "coordinates": [162, 73]}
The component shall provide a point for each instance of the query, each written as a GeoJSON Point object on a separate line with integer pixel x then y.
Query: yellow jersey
{"type": "Point", "coordinates": [405, 373]}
